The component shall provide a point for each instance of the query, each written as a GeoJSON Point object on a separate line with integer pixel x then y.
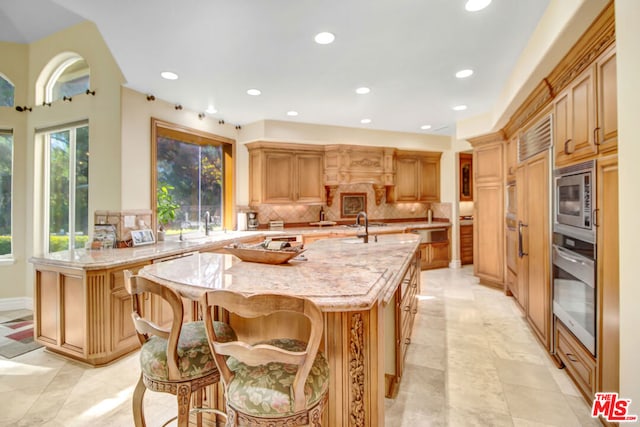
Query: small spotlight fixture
{"type": "Point", "coordinates": [365, 121]}
{"type": "Point", "coordinates": [201, 116]}
{"type": "Point", "coordinates": [178, 107]}
{"type": "Point", "coordinates": [253, 92]}
{"type": "Point", "coordinates": [238, 127]}
{"type": "Point", "coordinates": [363, 90]}
{"type": "Point", "coordinates": [476, 5]}
{"type": "Point", "coordinates": [23, 109]}
{"type": "Point", "coordinates": [425, 127]}
{"type": "Point", "coordinates": [463, 74]}
{"type": "Point", "coordinates": [168, 75]}
{"type": "Point", "coordinates": [46, 104]}
{"type": "Point", "coordinates": [324, 38]}
{"type": "Point", "coordinates": [90, 92]}
{"type": "Point", "coordinates": [151, 97]}
{"type": "Point", "coordinates": [460, 108]}
{"type": "Point", "coordinates": [220, 122]}
{"type": "Point", "coordinates": [211, 110]}
{"type": "Point", "coordinates": [292, 113]}
{"type": "Point", "coordinates": [67, 98]}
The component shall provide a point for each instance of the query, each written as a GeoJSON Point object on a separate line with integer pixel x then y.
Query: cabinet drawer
{"type": "Point", "coordinates": [578, 361]}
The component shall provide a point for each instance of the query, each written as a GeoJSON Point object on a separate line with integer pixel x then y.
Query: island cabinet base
{"type": "Point", "coordinates": [86, 314]}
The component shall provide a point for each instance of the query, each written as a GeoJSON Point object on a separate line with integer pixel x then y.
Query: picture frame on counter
{"type": "Point", "coordinates": [104, 236]}
{"type": "Point", "coordinates": [352, 203]}
{"type": "Point", "coordinates": [142, 237]}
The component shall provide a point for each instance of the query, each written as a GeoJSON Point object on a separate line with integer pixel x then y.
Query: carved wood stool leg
{"type": "Point", "coordinates": [138, 408]}
{"type": "Point", "coordinates": [184, 401]}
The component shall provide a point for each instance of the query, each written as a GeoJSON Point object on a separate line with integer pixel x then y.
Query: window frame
{"type": "Point", "coordinates": [59, 71]}
{"type": "Point", "coordinates": [13, 97]}
{"type": "Point", "coordinates": [9, 257]}
{"type": "Point", "coordinates": [46, 192]}
{"type": "Point", "coordinates": [195, 136]}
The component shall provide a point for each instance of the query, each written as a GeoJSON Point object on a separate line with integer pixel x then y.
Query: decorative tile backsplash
{"type": "Point", "coordinates": [124, 221]}
{"type": "Point", "coordinates": [306, 213]}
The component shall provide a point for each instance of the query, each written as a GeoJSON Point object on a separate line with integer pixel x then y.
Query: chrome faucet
{"type": "Point", "coordinates": [207, 219]}
{"type": "Point", "coordinates": [364, 236]}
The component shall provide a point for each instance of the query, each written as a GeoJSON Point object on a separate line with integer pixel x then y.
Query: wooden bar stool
{"type": "Point", "coordinates": [177, 360]}
{"type": "Point", "coordinates": [275, 382]}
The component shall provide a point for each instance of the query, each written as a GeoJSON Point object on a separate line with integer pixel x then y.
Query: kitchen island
{"type": "Point", "coordinates": [367, 293]}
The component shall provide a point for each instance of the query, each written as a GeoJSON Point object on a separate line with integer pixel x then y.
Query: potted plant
{"type": "Point", "coordinates": [166, 208]}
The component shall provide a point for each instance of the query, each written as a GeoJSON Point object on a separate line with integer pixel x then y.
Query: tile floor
{"type": "Point", "coordinates": [472, 362]}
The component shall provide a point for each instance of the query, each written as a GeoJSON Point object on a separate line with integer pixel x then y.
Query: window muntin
{"type": "Point", "coordinates": [6, 174]}
{"type": "Point", "coordinates": [69, 79]}
{"type": "Point", "coordinates": [6, 92]}
{"type": "Point", "coordinates": [67, 192]}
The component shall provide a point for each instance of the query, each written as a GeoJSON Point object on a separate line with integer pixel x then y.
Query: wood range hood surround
{"type": "Point", "coordinates": [341, 164]}
{"type": "Point", "coordinates": [357, 164]}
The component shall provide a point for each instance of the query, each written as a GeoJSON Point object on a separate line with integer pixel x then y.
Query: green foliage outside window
{"type": "Point", "coordinates": [6, 93]}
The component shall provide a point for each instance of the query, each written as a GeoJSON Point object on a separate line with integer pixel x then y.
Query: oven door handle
{"type": "Point", "coordinates": [521, 252]}
{"type": "Point", "coordinates": [567, 255]}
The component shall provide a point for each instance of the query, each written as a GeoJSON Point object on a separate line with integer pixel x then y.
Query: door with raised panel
{"type": "Point", "coordinates": [533, 248]}
{"type": "Point", "coordinates": [607, 92]}
{"type": "Point", "coordinates": [429, 180]}
{"type": "Point", "coordinates": [407, 172]}
{"type": "Point", "coordinates": [278, 177]}
{"type": "Point", "coordinates": [308, 186]}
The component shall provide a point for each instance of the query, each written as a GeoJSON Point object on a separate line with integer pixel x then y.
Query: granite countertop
{"type": "Point", "coordinates": [339, 274]}
{"type": "Point", "coordinates": [108, 258]}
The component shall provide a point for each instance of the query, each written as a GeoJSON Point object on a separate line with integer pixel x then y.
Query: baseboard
{"type": "Point", "coordinates": [7, 304]}
{"type": "Point", "coordinates": [456, 263]}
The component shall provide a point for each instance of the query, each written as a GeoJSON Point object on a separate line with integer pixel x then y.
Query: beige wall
{"type": "Point", "coordinates": [628, 62]}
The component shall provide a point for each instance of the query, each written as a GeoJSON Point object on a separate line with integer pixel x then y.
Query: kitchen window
{"type": "Point", "coordinates": [69, 79]}
{"type": "Point", "coordinates": [6, 173]}
{"type": "Point", "coordinates": [195, 169]}
{"type": "Point", "coordinates": [66, 181]}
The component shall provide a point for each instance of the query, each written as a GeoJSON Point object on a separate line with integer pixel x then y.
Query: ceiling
{"type": "Point", "coordinates": [405, 51]}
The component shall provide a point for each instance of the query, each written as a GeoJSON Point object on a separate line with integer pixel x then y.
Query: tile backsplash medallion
{"type": "Point", "coordinates": [307, 213]}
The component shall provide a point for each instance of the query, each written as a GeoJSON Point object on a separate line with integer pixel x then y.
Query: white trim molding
{"type": "Point", "coordinates": [455, 263]}
{"type": "Point", "coordinates": [18, 303]}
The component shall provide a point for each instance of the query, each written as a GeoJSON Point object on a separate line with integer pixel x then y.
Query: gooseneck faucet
{"type": "Point", "coordinates": [207, 219]}
{"type": "Point", "coordinates": [364, 236]}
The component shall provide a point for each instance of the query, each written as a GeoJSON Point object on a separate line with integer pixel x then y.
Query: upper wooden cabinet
{"type": "Point", "coordinates": [417, 176]}
{"type": "Point", "coordinates": [512, 158]}
{"type": "Point", "coordinates": [586, 113]}
{"type": "Point", "coordinates": [466, 177]}
{"type": "Point", "coordinates": [285, 173]}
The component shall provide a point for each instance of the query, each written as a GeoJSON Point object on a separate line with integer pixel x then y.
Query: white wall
{"type": "Point", "coordinates": [628, 63]}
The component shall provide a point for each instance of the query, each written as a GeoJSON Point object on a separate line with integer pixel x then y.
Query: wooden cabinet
{"type": "Point", "coordinates": [586, 113]}
{"type": "Point", "coordinates": [465, 166]}
{"type": "Point", "coordinates": [575, 118]}
{"type": "Point", "coordinates": [285, 173]}
{"type": "Point", "coordinates": [466, 244]}
{"type": "Point", "coordinates": [417, 176]}
{"type": "Point", "coordinates": [606, 132]}
{"type": "Point", "coordinates": [511, 158]}
{"type": "Point", "coordinates": [399, 325]}
{"type": "Point", "coordinates": [488, 210]}
{"type": "Point", "coordinates": [608, 297]}
{"type": "Point", "coordinates": [533, 270]}
{"type": "Point", "coordinates": [434, 255]}
{"type": "Point", "coordinates": [577, 360]}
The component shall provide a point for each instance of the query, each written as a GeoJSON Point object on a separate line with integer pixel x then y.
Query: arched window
{"type": "Point", "coordinates": [70, 78]}
{"type": "Point", "coordinates": [6, 92]}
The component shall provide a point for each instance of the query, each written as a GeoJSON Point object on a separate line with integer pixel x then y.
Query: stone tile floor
{"type": "Point", "coordinates": [473, 362]}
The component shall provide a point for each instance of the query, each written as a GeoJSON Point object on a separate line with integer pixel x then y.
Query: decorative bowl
{"type": "Point", "coordinates": [264, 256]}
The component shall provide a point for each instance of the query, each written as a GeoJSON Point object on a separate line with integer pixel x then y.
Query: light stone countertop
{"type": "Point", "coordinates": [339, 274]}
{"type": "Point", "coordinates": [109, 258]}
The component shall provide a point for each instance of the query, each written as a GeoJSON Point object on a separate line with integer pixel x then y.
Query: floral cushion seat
{"type": "Point", "coordinates": [265, 390]}
{"type": "Point", "coordinates": [194, 356]}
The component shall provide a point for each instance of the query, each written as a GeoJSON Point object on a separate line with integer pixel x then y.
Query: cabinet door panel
{"type": "Point", "coordinates": [607, 103]}
{"type": "Point", "coordinates": [309, 178]}
{"type": "Point", "coordinates": [488, 233]}
{"type": "Point", "coordinates": [278, 185]}
{"type": "Point", "coordinates": [561, 126]}
{"type": "Point", "coordinates": [407, 179]}
{"type": "Point", "coordinates": [430, 181]}
{"type": "Point", "coordinates": [583, 116]}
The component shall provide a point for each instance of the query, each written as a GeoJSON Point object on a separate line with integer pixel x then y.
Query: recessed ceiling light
{"type": "Point", "coordinates": [363, 90]}
{"type": "Point", "coordinates": [254, 92]}
{"type": "Point", "coordinates": [324, 38]}
{"type": "Point", "coordinates": [425, 127]}
{"type": "Point", "coordinates": [211, 110]}
{"type": "Point", "coordinates": [169, 75]}
{"type": "Point", "coordinates": [365, 121]}
{"type": "Point", "coordinates": [476, 5]}
{"type": "Point", "coordinates": [460, 107]}
{"type": "Point", "coordinates": [292, 113]}
{"type": "Point", "coordinates": [464, 73]}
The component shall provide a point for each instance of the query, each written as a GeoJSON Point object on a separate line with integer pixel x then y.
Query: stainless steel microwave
{"type": "Point", "coordinates": [574, 197]}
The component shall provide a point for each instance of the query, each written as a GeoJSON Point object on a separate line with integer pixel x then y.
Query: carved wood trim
{"type": "Point", "coordinates": [356, 370]}
{"type": "Point", "coordinates": [380, 191]}
{"type": "Point", "coordinates": [598, 37]}
{"type": "Point", "coordinates": [484, 139]}
{"type": "Point", "coordinates": [330, 193]}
